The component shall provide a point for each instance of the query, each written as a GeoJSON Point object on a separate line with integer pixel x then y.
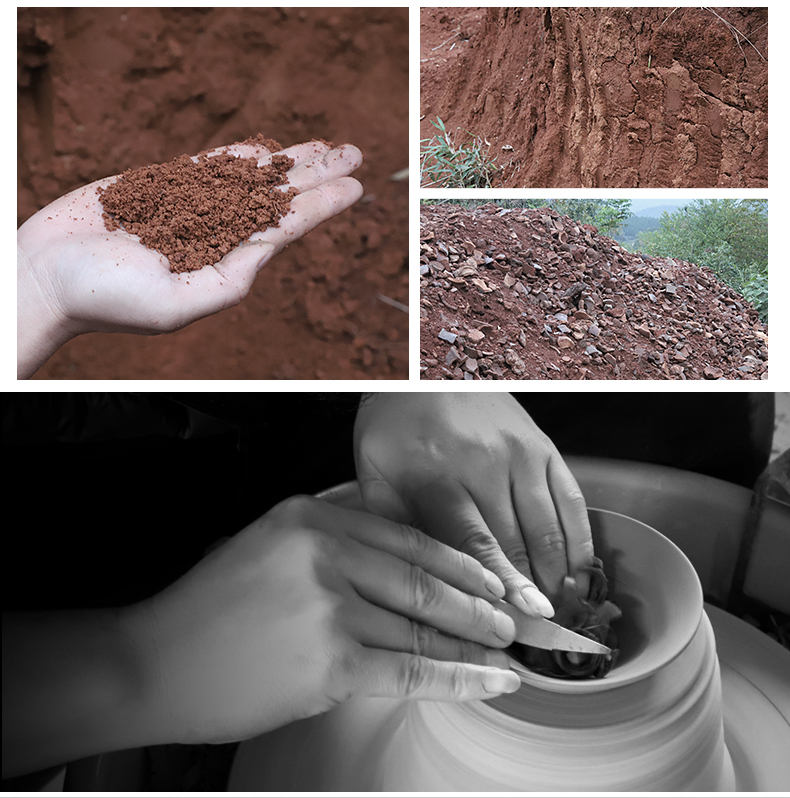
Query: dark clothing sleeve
{"type": "Point", "coordinates": [119, 494]}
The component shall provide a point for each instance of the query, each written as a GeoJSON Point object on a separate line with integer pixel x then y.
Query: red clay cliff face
{"type": "Point", "coordinates": [603, 97]}
{"type": "Point", "coordinates": [102, 90]}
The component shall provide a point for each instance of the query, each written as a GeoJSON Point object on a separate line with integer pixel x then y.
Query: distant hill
{"type": "Point", "coordinates": [656, 210]}
{"type": "Point", "coordinates": [644, 220]}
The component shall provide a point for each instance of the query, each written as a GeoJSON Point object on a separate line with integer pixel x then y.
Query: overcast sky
{"type": "Point", "coordinates": [640, 204]}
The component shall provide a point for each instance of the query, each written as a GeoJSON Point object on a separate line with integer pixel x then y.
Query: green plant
{"type": "Point", "coordinates": [449, 165]}
{"type": "Point", "coordinates": [728, 236]}
{"type": "Point", "coordinates": [756, 291]}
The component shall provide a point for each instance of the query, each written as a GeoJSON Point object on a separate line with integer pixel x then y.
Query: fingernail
{"type": "Point", "coordinates": [501, 681]}
{"type": "Point", "coordinates": [537, 602]}
{"type": "Point", "coordinates": [493, 584]}
{"type": "Point", "coordinates": [497, 659]}
{"type": "Point", "coordinates": [504, 627]}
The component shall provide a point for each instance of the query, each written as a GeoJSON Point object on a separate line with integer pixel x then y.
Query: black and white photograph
{"type": "Point", "coordinates": [280, 525]}
{"type": "Point", "coordinates": [397, 592]}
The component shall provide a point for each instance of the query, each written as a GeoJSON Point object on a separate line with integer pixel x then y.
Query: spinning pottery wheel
{"type": "Point", "coordinates": [699, 701]}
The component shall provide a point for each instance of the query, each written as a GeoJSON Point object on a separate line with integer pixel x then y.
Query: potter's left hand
{"type": "Point", "coordinates": [474, 471]}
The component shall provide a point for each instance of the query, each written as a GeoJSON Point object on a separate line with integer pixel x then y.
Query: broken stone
{"type": "Point", "coordinates": [452, 356]}
{"type": "Point", "coordinates": [486, 289]}
{"type": "Point", "coordinates": [465, 271]}
{"type": "Point", "coordinates": [447, 336]}
{"type": "Point", "coordinates": [471, 365]}
{"type": "Point", "coordinates": [515, 362]}
{"type": "Point", "coordinates": [626, 299]}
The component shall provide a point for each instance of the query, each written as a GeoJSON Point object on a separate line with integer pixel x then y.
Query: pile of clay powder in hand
{"type": "Point", "coordinates": [196, 211]}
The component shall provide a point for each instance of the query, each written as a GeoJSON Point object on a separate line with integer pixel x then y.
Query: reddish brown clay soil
{"type": "Point", "coordinates": [102, 90]}
{"type": "Point", "coordinates": [529, 294]}
{"type": "Point", "coordinates": [603, 97]}
{"type": "Point", "coordinates": [197, 210]}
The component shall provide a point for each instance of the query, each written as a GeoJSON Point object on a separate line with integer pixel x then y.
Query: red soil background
{"type": "Point", "coordinates": [602, 97]}
{"type": "Point", "coordinates": [106, 89]}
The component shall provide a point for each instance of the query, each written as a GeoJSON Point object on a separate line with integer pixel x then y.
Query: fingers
{"type": "Point", "coordinates": [315, 162]}
{"type": "Point", "coordinates": [412, 546]}
{"type": "Point", "coordinates": [411, 591]}
{"type": "Point", "coordinates": [552, 515]}
{"type": "Point", "coordinates": [322, 168]}
{"type": "Point", "coordinates": [541, 529]}
{"type": "Point", "coordinates": [398, 675]}
{"type": "Point", "coordinates": [499, 518]}
{"type": "Point", "coordinates": [572, 511]}
{"type": "Point", "coordinates": [240, 267]}
{"type": "Point", "coordinates": [450, 513]}
{"type": "Point", "coordinates": [308, 210]}
{"type": "Point", "coordinates": [299, 152]}
{"type": "Point", "coordinates": [375, 627]}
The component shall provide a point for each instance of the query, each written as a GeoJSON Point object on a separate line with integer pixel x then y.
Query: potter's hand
{"type": "Point", "coordinates": [312, 604]}
{"type": "Point", "coordinates": [74, 276]}
{"type": "Point", "coordinates": [474, 471]}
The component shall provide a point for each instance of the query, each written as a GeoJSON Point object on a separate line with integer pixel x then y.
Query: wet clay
{"type": "Point", "coordinates": [196, 211]}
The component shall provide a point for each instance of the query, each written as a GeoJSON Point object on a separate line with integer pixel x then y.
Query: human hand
{"type": "Point", "coordinates": [312, 604]}
{"type": "Point", "coordinates": [74, 276]}
{"type": "Point", "coordinates": [474, 471]}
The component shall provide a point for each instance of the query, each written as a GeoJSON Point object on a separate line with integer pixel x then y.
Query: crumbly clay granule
{"type": "Point", "coordinates": [196, 212]}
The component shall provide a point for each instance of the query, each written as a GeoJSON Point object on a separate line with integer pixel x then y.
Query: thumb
{"type": "Point", "coordinates": [393, 674]}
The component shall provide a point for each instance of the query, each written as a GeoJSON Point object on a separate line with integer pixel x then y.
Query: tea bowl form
{"type": "Point", "coordinates": [654, 722]}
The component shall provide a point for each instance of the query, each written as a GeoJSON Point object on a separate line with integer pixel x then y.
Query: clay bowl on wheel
{"type": "Point", "coordinates": [658, 591]}
{"type": "Point", "coordinates": [650, 580]}
{"type": "Point", "coordinates": [653, 722]}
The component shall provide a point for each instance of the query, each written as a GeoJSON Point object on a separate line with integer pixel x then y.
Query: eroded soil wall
{"type": "Point", "coordinates": [604, 97]}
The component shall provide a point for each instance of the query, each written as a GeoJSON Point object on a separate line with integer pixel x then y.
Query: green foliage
{"type": "Point", "coordinates": [728, 236]}
{"type": "Point", "coordinates": [449, 165]}
{"type": "Point", "coordinates": [756, 291]}
{"type": "Point", "coordinates": [612, 215]}
{"type": "Point", "coordinates": [630, 234]}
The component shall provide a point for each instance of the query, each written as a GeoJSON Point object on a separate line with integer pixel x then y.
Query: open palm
{"type": "Point", "coordinates": [102, 281]}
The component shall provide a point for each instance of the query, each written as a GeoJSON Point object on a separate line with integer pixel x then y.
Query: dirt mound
{"type": "Point", "coordinates": [530, 294]}
{"type": "Point", "coordinates": [604, 97]}
{"type": "Point", "coordinates": [106, 89]}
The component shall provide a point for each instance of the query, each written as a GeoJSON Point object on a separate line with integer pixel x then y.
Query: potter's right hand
{"type": "Point", "coordinates": [310, 605]}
